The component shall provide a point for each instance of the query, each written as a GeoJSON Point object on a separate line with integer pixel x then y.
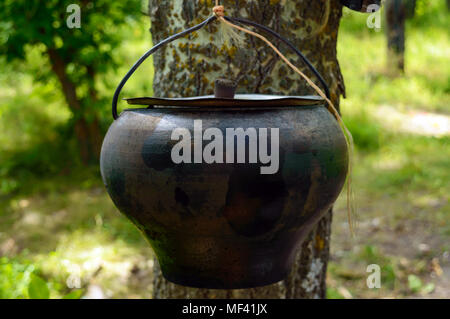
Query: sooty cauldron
{"type": "Point", "coordinates": [225, 188]}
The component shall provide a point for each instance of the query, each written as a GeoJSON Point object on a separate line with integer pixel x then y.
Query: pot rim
{"type": "Point", "coordinates": [240, 101]}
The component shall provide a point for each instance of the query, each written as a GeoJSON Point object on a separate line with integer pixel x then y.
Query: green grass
{"type": "Point", "coordinates": [400, 178]}
{"type": "Point", "coordinates": [362, 56]}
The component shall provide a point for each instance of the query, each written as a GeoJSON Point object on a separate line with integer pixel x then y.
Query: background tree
{"type": "Point", "coordinates": [190, 66]}
{"type": "Point", "coordinates": [79, 57]}
{"type": "Point", "coordinates": [410, 8]}
{"type": "Point", "coordinates": [396, 14]}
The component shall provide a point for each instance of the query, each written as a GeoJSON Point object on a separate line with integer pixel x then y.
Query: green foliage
{"type": "Point", "coordinates": [367, 134]}
{"type": "Point", "coordinates": [80, 57]}
{"type": "Point", "coordinates": [19, 280]}
{"type": "Point", "coordinates": [388, 275]}
{"type": "Point", "coordinates": [14, 278]}
{"type": "Point", "coordinates": [414, 283]}
{"type": "Point", "coordinates": [37, 288]}
{"type": "Point", "coordinates": [35, 22]}
{"type": "Point", "coordinates": [37, 129]}
{"type": "Point", "coordinates": [429, 13]}
{"type": "Point", "coordinates": [333, 294]}
{"type": "Point", "coordinates": [371, 255]}
{"type": "Point", "coordinates": [76, 294]}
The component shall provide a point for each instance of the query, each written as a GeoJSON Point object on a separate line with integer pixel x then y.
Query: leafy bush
{"type": "Point", "coordinates": [14, 279]}
{"type": "Point", "coordinates": [19, 280]}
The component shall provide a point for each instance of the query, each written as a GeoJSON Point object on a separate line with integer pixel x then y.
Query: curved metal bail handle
{"type": "Point", "coordinates": [198, 27]}
{"type": "Point", "coordinates": [149, 53]}
{"type": "Point", "coordinates": [289, 44]}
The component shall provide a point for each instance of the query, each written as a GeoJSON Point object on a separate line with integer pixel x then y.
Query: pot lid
{"type": "Point", "coordinates": [240, 100]}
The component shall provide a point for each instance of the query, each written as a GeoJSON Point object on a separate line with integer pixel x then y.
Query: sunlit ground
{"type": "Point", "coordinates": [415, 122]}
{"type": "Point", "coordinates": [62, 226]}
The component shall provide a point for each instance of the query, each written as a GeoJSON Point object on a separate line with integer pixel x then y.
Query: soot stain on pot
{"type": "Point", "coordinates": [117, 190]}
{"type": "Point", "coordinates": [183, 199]}
{"type": "Point", "coordinates": [255, 202]}
{"type": "Point", "coordinates": [155, 154]}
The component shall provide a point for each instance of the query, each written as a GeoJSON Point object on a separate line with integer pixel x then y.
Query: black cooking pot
{"type": "Point", "coordinates": [362, 5]}
{"type": "Point", "coordinates": [224, 188]}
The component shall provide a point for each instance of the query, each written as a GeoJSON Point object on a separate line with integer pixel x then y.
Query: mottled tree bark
{"type": "Point", "coordinates": [190, 66]}
{"type": "Point", "coordinates": [395, 21]}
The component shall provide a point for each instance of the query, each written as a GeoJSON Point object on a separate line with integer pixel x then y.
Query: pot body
{"type": "Point", "coordinates": [224, 225]}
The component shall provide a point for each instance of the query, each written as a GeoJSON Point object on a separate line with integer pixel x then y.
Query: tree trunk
{"type": "Point", "coordinates": [87, 133]}
{"type": "Point", "coordinates": [190, 66]}
{"type": "Point", "coordinates": [395, 20]}
{"type": "Point", "coordinates": [410, 8]}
